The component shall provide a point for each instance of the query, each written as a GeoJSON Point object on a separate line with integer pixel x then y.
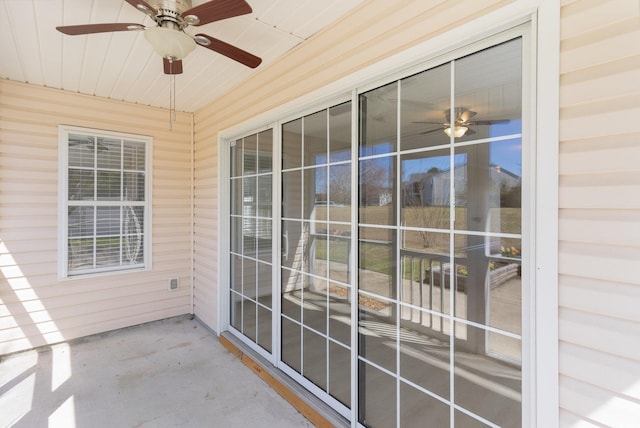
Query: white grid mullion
{"type": "Point", "coordinates": [452, 252]}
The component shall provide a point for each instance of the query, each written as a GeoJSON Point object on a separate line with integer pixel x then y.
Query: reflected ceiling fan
{"type": "Point", "coordinates": [462, 123]}
{"type": "Point", "coordinates": [168, 37]}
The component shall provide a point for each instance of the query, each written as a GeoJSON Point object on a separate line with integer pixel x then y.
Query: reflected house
{"type": "Point", "coordinates": [432, 188]}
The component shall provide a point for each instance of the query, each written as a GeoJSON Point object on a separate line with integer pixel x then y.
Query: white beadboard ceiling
{"type": "Point", "coordinates": [123, 66]}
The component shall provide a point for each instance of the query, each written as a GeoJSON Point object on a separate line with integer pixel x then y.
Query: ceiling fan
{"type": "Point", "coordinates": [461, 124]}
{"type": "Point", "coordinates": [168, 37]}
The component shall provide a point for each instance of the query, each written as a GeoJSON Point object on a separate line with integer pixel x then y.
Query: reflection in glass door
{"type": "Point", "coordinates": [439, 241]}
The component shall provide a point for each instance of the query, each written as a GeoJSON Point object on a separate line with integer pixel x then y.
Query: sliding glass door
{"type": "Point", "coordinates": [400, 280]}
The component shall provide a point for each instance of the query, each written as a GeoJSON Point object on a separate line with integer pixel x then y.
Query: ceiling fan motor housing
{"type": "Point", "coordinates": [178, 6]}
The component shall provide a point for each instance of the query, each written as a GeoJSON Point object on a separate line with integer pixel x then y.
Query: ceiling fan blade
{"type": "Point", "coordinates": [430, 123]}
{"type": "Point", "coordinates": [76, 30]}
{"type": "Point", "coordinates": [144, 7]}
{"type": "Point", "coordinates": [489, 122]}
{"type": "Point", "coordinates": [230, 51]}
{"type": "Point", "coordinates": [465, 116]}
{"type": "Point", "coordinates": [216, 10]}
{"type": "Point", "coordinates": [431, 131]}
{"type": "Point", "coordinates": [172, 67]}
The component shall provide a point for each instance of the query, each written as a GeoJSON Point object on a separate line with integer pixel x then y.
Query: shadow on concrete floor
{"type": "Point", "coordinates": [167, 373]}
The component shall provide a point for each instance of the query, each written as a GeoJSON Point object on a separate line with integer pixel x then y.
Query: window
{"type": "Point", "coordinates": [104, 202]}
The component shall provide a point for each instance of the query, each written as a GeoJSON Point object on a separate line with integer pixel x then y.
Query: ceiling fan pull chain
{"type": "Point", "coordinates": [173, 82]}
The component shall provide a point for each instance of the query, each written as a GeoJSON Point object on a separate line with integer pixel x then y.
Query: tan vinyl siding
{"type": "Point", "coordinates": [373, 31]}
{"type": "Point", "coordinates": [599, 218]}
{"type": "Point", "coordinates": [37, 309]}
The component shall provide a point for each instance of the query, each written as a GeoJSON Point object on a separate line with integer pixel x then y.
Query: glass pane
{"type": "Point", "coordinates": [488, 287]}
{"type": "Point", "coordinates": [315, 305]}
{"type": "Point", "coordinates": [340, 313]}
{"type": "Point", "coordinates": [80, 253]}
{"type": "Point", "coordinates": [236, 234]}
{"type": "Point", "coordinates": [250, 155]}
{"type": "Point", "coordinates": [264, 328]}
{"type": "Point", "coordinates": [81, 185]}
{"type": "Point", "coordinates": [236, 311]}
{"type": "Point", "coordinates": [315, 358]}
{"type": "Point", "coordinates": [264, 239]}
{"type": "Point", "coordinates": [108, 251]}
{"type": "Point", "coordinates": [109, 153]}
{"type": "Point", "coordinates": [292, 144]}
{"type": "Point", "coordinates": [424, 357]}
{"type": "Point", "coordinates": [264, 196]}
{"type": "Point", "coordinates": [249, 322]}
{"type": "Point", "coordinates": [340, 132]}
{"type": "Point", "coordinates": [465, 421]}
{"type": "Point", "coordinates": [504, 281]}
{"type": "Point", "coordinates": [81, 150]}
{"type": "Point", "coordinates": [377, 190]}
{"type": "Point", "coordinates": [425, 99]}
{"type": "Point", "coordinates": [133, 220]}
{"type": "Point", "coordinates": [315, 193]}
{"type": "Point", "coordinates": [109, 185]}
{"type": "Point", "coordinates": [235, 158]}
{"type": "Point", "coordinates": [265, 151]}
{"type": "Point", "coordinates": [378, 120]}
{"type": "Point", "coordinates": [315, 138]}
{"type": "Point", "coordinates": [418, 409]}
{"type": "Point", "coordinates": [339, 199]}
{"type": "Point", "coordinates": [317, 249]}
{"type": "Point", "coordinates": [291, 303]}
{"type": "Point", "coordinates": [81, 221]}
{"type": "Point", "coordinates": [377, 333]}
{"type": "Point", "coordinates": [132, 249]}
{"type": "Point", "coordinates": [292, 194]}
{"type": "Point", "coordinates": [377, 264]}
{"type": "Point", "coordinates": [134, 155]}
{"type": "Point", "coordinates": [488, 92]}
{"type": "Point", "coordinates": [487, 386]}
{"type": "Point", "coordinates": [291, 344]}
{"type": "Point", "coordinates": [235, 196]}
{"type": "Point", "coordinates": [236, 273]}
{"type": "Point", "coordinates": [424, 282]}
{"type": "Point", "coordinates": [340, 373]}
{"type": "Point", "coordinates": [377, 397]}
{"type": "Point", "coordinates": [339, 252]}
{"type": "Point", "coordinates": [426, 182]}
{"type": "Point", "coordinates": [489, 194]}
{"type": "Point", "coordinates": [249, 196]}
{"type": "Point", "coordinates": [134, 186]}
{"type": "Point", "coordinates": [293, 243]}
{"type": "Point", "coordinates": [107, 221]}
{"type": "Point", "coordinates": [249, 236]}
{"type": "Point", "coordinates": [264, 284]}
{"type": "Point", "coordinates": [249, 271]}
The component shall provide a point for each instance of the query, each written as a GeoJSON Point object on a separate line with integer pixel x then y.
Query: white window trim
{"type": "Point", "coordinates": [544, 18]}
{"type": "Point", "coordinates": [63, 169]}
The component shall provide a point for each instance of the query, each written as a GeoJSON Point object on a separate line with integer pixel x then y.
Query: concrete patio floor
{"type": "Point", "coordinates": [167, 373]}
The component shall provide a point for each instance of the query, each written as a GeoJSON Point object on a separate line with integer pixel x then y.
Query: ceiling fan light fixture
{"type": "Point", "coordinates": [458, 131]}
{"type": "Point", "coordinates": [169, 43]}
